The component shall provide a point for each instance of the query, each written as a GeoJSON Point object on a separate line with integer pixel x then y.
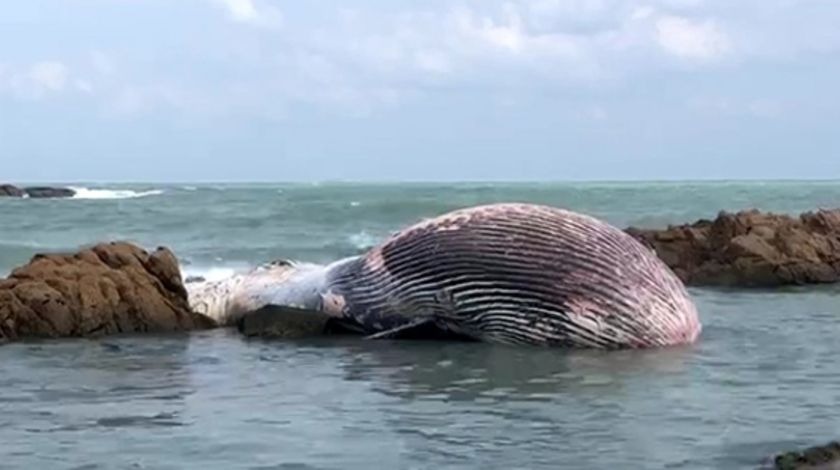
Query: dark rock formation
{"type": "Point", "coordinates": [284, 322]}
{"type": "Point", "coordinates": [40, 192]}
{"type": "Point", "coordinates": [751, 249]}
{"type": "Point", "coordinates": [7, 190]}
{"type": "Point", "coordinates": [107, 289]}
{"type": "Point", "coordinates": [47, 192]}
{"type": "Point", "coordinates": [819, 457]}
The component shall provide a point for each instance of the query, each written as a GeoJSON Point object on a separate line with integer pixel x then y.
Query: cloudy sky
{"type": "Point", "coordinates": [279, 90]}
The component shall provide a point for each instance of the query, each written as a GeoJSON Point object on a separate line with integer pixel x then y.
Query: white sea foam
{"type": "Point", "coordinates": [210, 273]}
{"type": "Point", "coordinates": [363, 240]}
{"type": "Point", "coordinates": [88, 193]}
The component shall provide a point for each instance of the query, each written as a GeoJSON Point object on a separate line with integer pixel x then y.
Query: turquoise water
{"type": "Point", "coordinates": [761, 379]}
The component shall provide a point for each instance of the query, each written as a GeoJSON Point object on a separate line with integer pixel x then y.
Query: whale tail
{"type": "Point", "coordinates": [283, 283]}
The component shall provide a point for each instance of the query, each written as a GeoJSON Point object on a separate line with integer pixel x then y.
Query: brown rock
{"type": "Point", "coordinates": [751, 248]}
{"type": "Point", "coordinates": [107, 289]}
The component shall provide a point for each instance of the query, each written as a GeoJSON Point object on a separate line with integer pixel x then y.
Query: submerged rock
{"type": "Point", "coordinates": [40, 192]}
{"type": "Point", "coordinates": [274, 321]}
{"type": "Point", "coordinates": [751, 249]}
{"type": "Point", "coordinates": [823, 457]}
{"type": "Point", "coordinates": [282, 322]}
{"type": "Point", "coordinates": [107, 289]}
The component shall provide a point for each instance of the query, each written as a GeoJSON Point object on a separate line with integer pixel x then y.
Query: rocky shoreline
{"type": "Point", "coordinates": [35, 192]}
{"type": "Point", "coordinates": [751, 249]}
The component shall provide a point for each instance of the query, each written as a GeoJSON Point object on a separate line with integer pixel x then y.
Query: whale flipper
{"type": "Point", "coordinates": [401, 330]}
{"type": "Point", "coordinates": [426, 328]}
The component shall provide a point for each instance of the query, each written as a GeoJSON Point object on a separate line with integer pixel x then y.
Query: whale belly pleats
{"type": "Point", "coordinates": [516, 273]}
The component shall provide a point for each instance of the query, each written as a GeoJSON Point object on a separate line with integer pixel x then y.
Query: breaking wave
{"type": "Point", "coordinates": [88, 193]}
{"type": "Point", "coordinates": [212, 273]}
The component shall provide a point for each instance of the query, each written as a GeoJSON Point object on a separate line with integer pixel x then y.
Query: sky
{"type": "Point", "coordinates": [364, 90]}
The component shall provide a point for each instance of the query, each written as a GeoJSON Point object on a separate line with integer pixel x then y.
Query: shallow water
{"type": "Point", "coordinates": [762, 378]}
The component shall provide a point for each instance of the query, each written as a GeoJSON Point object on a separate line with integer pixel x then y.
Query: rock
{"type": "Point", "coordinates": [823, 457]}
{"type": "Point", "coordinates": [283, 322]}
{"type": "Point", "coordinates": [40, 192]}
{"type": "Point", "coordinates": [751, 249]}
{"type": "Point", "coordinates": [7, 190]}
{"type": "Point", "coordinates": [47, 192]}
{"type": "Point", "coordinates": [107, 289]}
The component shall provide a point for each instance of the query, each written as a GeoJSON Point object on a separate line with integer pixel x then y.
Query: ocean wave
{"type": "Point", "coordinates": [12, 244]}
{"type": "Point", "coordinates": [88, 193]}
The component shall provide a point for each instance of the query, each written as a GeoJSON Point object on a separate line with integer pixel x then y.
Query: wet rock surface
{"type": "Point", "coordinates": [823, 457]}
{"type": "Point", "coordinates": [107, 289]}
{"type": "Point", "coordinates": [751, 249]}
{"type": "Point", "coordinates": [274, 321]}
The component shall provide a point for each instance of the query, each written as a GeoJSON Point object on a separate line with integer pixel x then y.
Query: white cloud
{"type": "Point", "coordinates": [691, 39]}
{"type": "Point", "coordinates": [354, 58]}
{"type": "Point", "coordinates": [458, 45]}
{"type": "Point", "coordinates": [49, 75]}
{"type": "Point", "coordinates": [37, 80]}
{"type": "Point", "coordinates": [357, 57]}
{"type": "Point", "coordinates": [642, 12]}
{"type": "Point", "coordinates": [241, 10]}
{"type": "Point", "coordinates": [247, 11]}
{"type": "Point", "coordinates": [509, 34]}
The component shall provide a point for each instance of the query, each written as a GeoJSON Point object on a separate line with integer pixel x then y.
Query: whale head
{"type": "Point", "coordinates": [282, 282]}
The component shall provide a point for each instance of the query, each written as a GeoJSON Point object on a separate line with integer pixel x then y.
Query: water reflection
{"type": "Point", "coordinates": [207, 399]}
{"type": "Point", "coordinates": [122, 370]}
{"type": "Point", "coordinates": [465, 404]}
{"type": "Point", "coordinates": [455, 371]}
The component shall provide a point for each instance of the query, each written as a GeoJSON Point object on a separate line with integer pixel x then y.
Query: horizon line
{"type": "Point", "coordinates": [414, 182]}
